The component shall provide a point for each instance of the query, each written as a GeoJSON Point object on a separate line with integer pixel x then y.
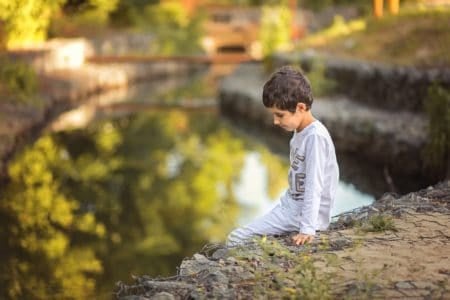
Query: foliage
{"type": "Point", "coordinates": [26, 22]}
{"type": "Point", "coordinates": [176, 31]}
{"type": "Point", "coordinates": [436, 153]}
{"type": "Point", "coordinates": [17, 81]}
{"type": "Point", "coordinates": [378, 223]}
{"type": "Point", "coordinates": [275, 30]}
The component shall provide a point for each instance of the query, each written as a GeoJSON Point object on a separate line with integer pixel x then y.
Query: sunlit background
{"type": "Point", "coordinates": [133, 180]}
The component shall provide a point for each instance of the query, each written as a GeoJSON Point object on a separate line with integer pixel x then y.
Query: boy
{"type": "Point", "coordinates": [313, 176]}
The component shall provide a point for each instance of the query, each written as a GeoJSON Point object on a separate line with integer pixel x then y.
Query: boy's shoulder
{"type": "Point", "coordinates": [315, 130]}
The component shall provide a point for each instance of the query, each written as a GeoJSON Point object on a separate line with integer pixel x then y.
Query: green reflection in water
{"type": "Point", "coordinates": [134, 195]}
{"type": "Point", "coordinates": [39, 259]}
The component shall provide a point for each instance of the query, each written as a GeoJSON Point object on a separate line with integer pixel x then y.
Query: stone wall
{"type": "Point", "coordinates": [381, 86]}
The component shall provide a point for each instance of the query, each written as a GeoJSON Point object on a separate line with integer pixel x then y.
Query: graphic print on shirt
{"type": "Point", "coordinates": [296, 159]}
{"type": "Point", "coordinates": [297, 180]}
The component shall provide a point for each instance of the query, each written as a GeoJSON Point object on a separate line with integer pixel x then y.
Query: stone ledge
{"type": "Point", "coordinates": [395, 88]}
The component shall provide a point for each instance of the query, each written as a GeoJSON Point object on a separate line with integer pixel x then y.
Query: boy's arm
{"type": "Point", "coordinates": [314, 166]}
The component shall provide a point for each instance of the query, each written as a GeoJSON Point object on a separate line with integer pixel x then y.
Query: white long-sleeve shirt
{"type": "Point", "coordinates": [313, 177]}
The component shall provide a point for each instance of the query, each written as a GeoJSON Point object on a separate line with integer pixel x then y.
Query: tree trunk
{"type": "Point", "coordinates": [394, 6]}
{"type": "Point", "coordinates": [377, 8]}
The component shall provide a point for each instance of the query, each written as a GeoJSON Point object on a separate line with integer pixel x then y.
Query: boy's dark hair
{"type": "Point", "coordinates": [286, 87]}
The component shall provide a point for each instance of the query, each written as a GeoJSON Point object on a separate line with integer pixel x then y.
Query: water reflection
{"type": "Point", "coordinates": [257, 193]}
{"type": "Point", "coordinates": [127, 196]}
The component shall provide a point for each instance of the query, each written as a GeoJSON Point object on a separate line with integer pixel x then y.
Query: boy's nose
{"type": "Point", "coordinates": [276, 121]}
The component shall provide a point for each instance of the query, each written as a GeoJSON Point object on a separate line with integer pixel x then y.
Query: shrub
{"type": "Point", "coordinates": [26, 22]}
{"type": "Point", "coordinates": [17, 81]}
{"type": "Point", "coordinates": [379, 223]}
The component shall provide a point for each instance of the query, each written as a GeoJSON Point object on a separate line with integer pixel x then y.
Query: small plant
{"type": "Point", "coordinates": [379, 223]}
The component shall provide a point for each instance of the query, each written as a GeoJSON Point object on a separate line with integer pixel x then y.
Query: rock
{"type": "Point", "coordinates": [214, 278]}
{"type": "Point", "coordinates": [231, 260]}
{"type": "Point", "coordinates": [220, 254]}
{"type": "Point", "coordinates": [196, 265]}
{"type": "Point", "coordinates": [163, 296]}
{"type": "Point", "coordinates": [201, 258]}
{"type": "Point", "coordinates": [404, 285]}
{"type": "Point", "coordinates": [340, 243]}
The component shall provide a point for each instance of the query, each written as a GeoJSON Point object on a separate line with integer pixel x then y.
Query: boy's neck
{"type": "Point", "coordinates": [307, 120]}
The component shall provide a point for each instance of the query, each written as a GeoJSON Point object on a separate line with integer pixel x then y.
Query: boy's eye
{"type": "Point", "coordinates": [279, 115]}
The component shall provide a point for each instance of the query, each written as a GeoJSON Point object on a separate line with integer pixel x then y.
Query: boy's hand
{"type": "Point", "coordinates": [301, 239]}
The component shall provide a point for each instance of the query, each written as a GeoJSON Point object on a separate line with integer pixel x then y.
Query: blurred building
{"type": "Point", "coordinates": [235, 28]}
{"type": "Point", "coordinates": [231, 29]}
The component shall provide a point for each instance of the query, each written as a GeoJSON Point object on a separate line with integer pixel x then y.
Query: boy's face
{"type": "Point", "coordinates": [287, 120]}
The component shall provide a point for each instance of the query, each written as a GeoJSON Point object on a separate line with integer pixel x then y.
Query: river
{"type": "Point", "coordinates": [132, 182]}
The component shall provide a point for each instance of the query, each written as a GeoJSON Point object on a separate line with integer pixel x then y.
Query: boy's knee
{"type": "Point", "coordinates": [236, 237]}
{"type": "Point", "coordinates": [233, 239]}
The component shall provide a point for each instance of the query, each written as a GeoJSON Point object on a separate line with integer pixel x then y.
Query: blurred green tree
{"type": "Point", "coordinates": [275, 30]}
{"type": "Point", "coordinates": [177, 32]}
{"type": "Point", "coordinates": [26, 21]}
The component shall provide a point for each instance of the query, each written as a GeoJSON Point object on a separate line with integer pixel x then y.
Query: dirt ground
{"type": "Point", "coordinates": [411, 262]}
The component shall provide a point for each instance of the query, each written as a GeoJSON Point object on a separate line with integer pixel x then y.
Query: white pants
{"type": "Point", "coordinates": [279, 220]}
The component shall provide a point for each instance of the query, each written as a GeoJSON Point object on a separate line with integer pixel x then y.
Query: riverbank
{"type": "Point", "coordinates": [395, 248]}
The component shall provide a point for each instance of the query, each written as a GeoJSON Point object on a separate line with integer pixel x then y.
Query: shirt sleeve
{"type": "Point", "coordinates": [314, 166]}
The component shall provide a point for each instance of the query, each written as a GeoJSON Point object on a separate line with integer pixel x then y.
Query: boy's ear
{"type": "Point", "coordinates": [301, 106]}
